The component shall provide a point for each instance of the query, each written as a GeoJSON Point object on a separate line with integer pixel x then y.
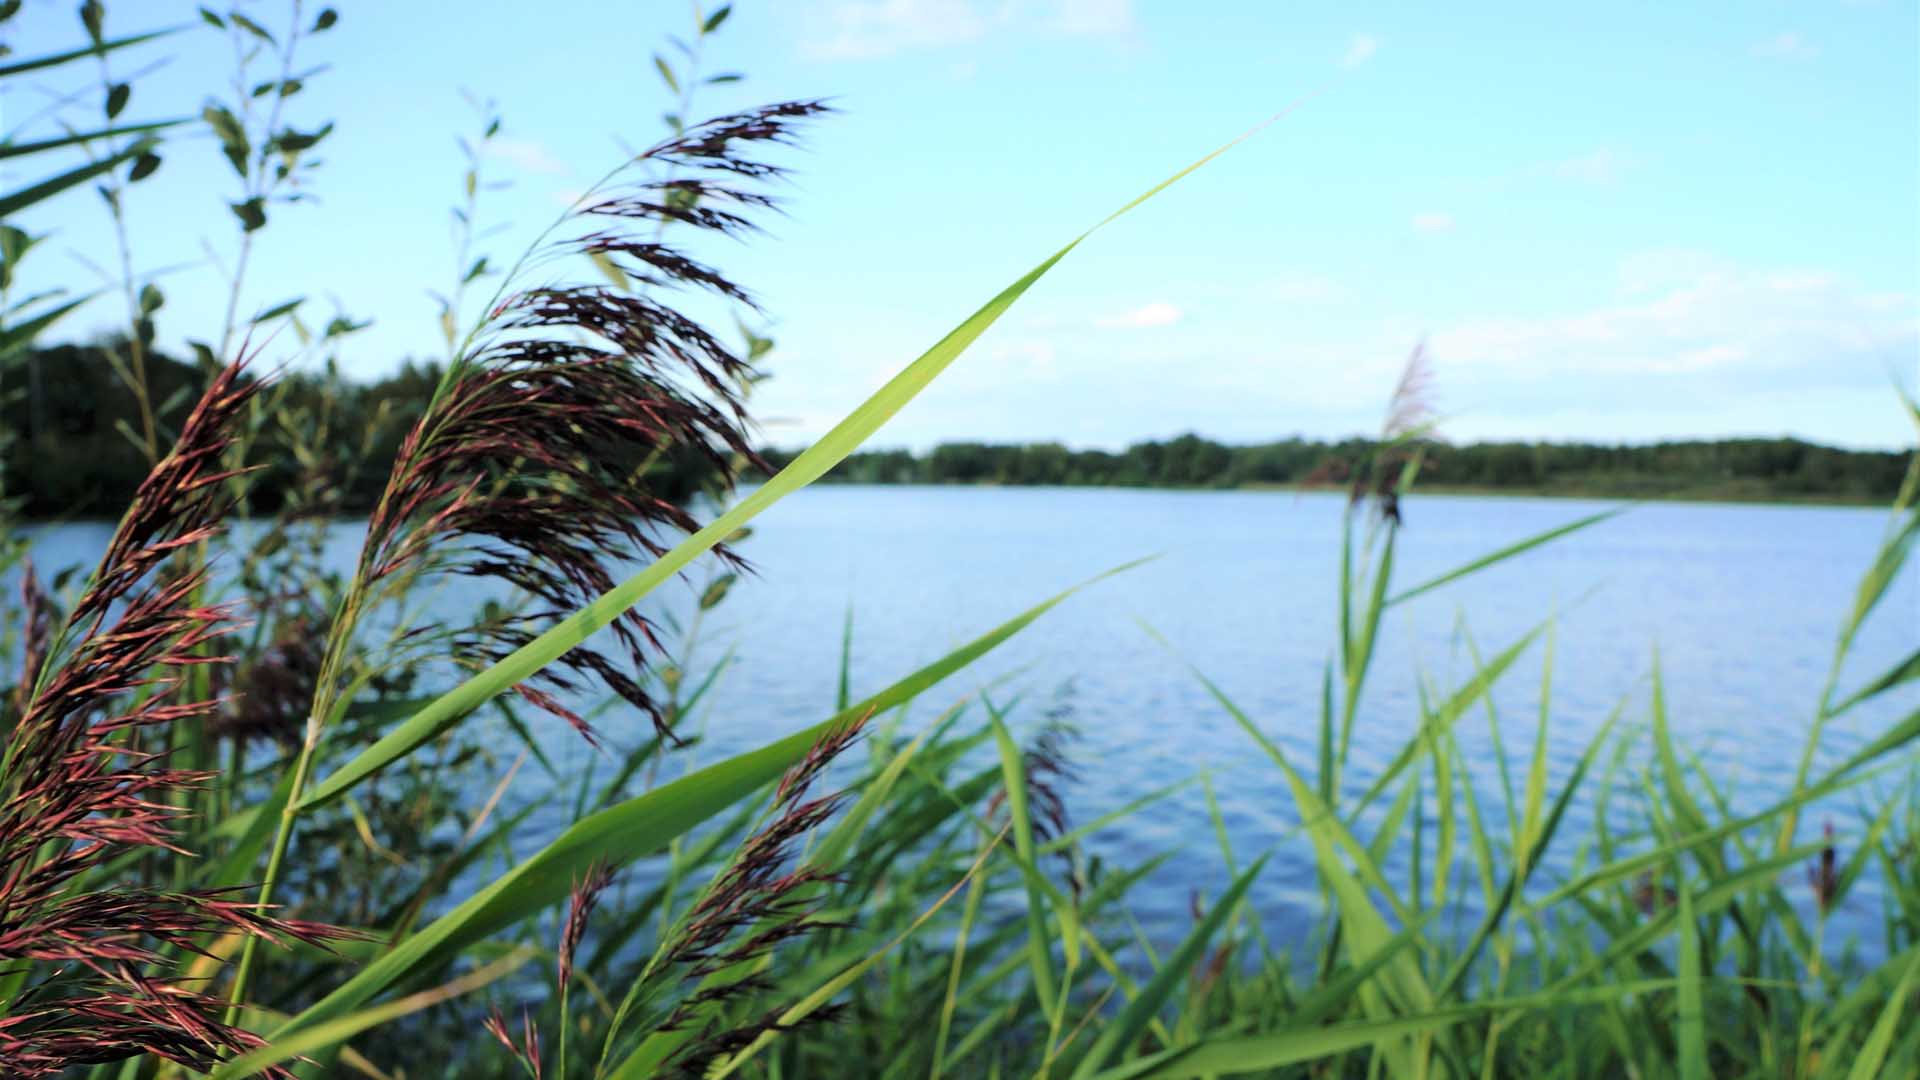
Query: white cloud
{"type": "Point", "coordinates": [869, 29]}
{"type": "Point", "coordinates": [1432, 222]}
{"type": "Point", "coordinates": [530, 155]}
{"type": "Point", "coordinates": [1602, 166]}
{"type": "Point", "coordinates": [1095, 17]}
{"type": "Point", "coordinates": [1300, 288]}
{"type": "Point", "coordinates": [1359, 50]}
{"type": "Point", "coordinates": [1700, 316]}
{"type": "Point", "coordinates": [1144, 317]}
{"type": "Point", "coordinates": [1787, 46]}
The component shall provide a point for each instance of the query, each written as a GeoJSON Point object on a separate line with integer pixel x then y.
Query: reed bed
{"type": "Point", "coordinates": [256, 822]}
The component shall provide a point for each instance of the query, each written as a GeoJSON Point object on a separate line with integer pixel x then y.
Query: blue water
{"type": "Point", "coordinates": [1742, 604]}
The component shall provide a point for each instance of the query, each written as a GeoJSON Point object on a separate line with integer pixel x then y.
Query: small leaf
{"type": "Point", "coordinates": [252, 27]}
{"type": "Point", "coordinates": [212, 19]}
{"type": "Point", "coordinates": [473, 182]}
{"type": "Point", "coordinates": [233, 137]}
{"type": "Point", "coordinates": [714, 20]}
{"type": "Point", "coordinates": [327, 18]}
{"type": "Point", "coordinates": [291, 87]}
{"type": "Point", "coordinates": [342, 325]}
{"type": "Point", "coordinates": [725, 77]}
{"type": "Point", "coordinates": [673, 121]}
{"type": "Point", "coordinates": [252, 213]}
{"type": "Point", "coordinates": [666, 72]}
{"type": "Point", "coordinates": [609, 268]}
{"type": "Point", "coordinates": [479, 267]}
{"type": "Point", "coordinates": [203, 352]}
{"type": "Point", "coordinates": [278, 310]}
{"type": "Point", "coordinates": [9, 9]}
{"type": "Point", "coordinates": [150, 298]}
{"type": "Point", "coordinates": [143, 167]}
{"type": "Point", "coordinates": [117, 96]}
{"type": "Point", "coordinates": [717, 591]}
{"type": "Point", "coordinates": [92, 15]}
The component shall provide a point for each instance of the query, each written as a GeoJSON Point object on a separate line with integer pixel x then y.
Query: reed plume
{"type": "Point", "coordinates": [530, 466]}
{"type": "Point", "coordinates": [85, 780]}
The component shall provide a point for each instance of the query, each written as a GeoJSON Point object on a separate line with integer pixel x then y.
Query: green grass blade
{"type": "Point", "coordinates": [1124, 1029]}
{"type": "Point", "coordinates": [1690, 1022]}
{"type": "Point", "coordinates": [812, 463]}
{"type": "Point", "coordinates": [1506, 553]}
{"type": "Point", "coordinates": [1867, 1065]}
{"type": "Point", "coordinates": [632, 829]}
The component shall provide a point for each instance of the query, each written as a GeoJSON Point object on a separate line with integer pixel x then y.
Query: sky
{"type": "Point", "coordinates": [1619, 223]}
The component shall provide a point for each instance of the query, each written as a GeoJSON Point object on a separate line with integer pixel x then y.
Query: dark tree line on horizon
{"type": "Point", "coordinates": [70, 452]}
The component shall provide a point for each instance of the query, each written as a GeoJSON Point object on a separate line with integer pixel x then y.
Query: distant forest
{"type": "Point", "coordinates": [68, 448]}
{"type": "Point", "coordinates": [1737, 469]}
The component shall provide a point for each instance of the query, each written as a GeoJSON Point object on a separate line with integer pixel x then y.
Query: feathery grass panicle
{"type": "Point", "coordinates": [81, 783]}
{"type": "Point", "coordinates": [531, 465]}
{"type": "Point", "coordinates": [756, 903]}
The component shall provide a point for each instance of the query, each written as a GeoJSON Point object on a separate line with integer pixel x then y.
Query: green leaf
{"type": "Point", "coordinates": [725, 77]}
{"type": "Point", "coordinates": [10, 150]}
{"type": "Point", "coordinates": [232, 135]}
{"type": "Point", "coordinates": [54, 59]}
{"type": "Point", "coordinates": [1126, 1028]}
{"type": "Point", "coordinates": [252, 27]}
{"type": "Point", "coordinates": [1506, 553]}
{"type": "Point", "coordinates": [17, 201]}
{"type": "Point", "coordinates": [279, 309]}
{"type": "Point", "coordinates": [117, 97]}
{"type": "Point", "coordinates": [717, 591]}
{"type": "Point", "coordinates": [1866, 1065]}
{"type": "Point", "coordinates": [325, 21]}
{"type": "Point", "coordinates": [1905, 671]}
{"type": "Point", "coordinates": [1690, 1021]}
{"type": "Point", "coordinates": [150, 298]}
{"type": "Point", "coordinates": [93, 16]}
{"type": "Point", "coordinates": [714, 20]}
{"type": "Point", "coordinates": [1039, 942]}
{"type": "Point", "coordinates": [666, 72]}
{"type": "Point", "coordinates": [143, 166]}
{"type": "Point", "coordinates": [213, 20]}
{"type": "Point", "coordinates": [252, 213]}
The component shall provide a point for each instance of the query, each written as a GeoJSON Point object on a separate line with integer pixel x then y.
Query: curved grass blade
{"type": "Point", "coordinates": [812, 464]}
{"type": "Point", "coordinates": [1506, 553]}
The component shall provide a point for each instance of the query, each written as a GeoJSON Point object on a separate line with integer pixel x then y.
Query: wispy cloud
{"type": "Point", "coordinates": [1603, 166]}
{"type": "Point", "coordinates": [1359, 50]}
{"type": "Point", "coordinates": [870, 29]}
{"type": "Point", "coordinates": [1144, 317]}
{"type": "Point", "coordinates": [530, 155]}
{"type": "Point", "coordinates": [1704, 315]}
{"type": "Point", "coordinates": [1786, 46]}
{"type": "Point", "coordinates": [1432, 221]}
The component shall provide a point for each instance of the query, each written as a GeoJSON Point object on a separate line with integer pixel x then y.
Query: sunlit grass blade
{"type": "Point", "coordinates": [813, 463]}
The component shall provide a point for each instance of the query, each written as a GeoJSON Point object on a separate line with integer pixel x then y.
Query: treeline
{"type": "Point", "coordinates": [72, 433]}
{"type": "Point", "coordinates": [1724, 468]}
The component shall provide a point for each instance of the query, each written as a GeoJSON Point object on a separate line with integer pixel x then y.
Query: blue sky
{"type": "Point", "coordinates": [1624, 222]}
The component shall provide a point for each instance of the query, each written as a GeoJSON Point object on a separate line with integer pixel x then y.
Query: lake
{"type": "Point", "coordinates": [1742, 604]}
